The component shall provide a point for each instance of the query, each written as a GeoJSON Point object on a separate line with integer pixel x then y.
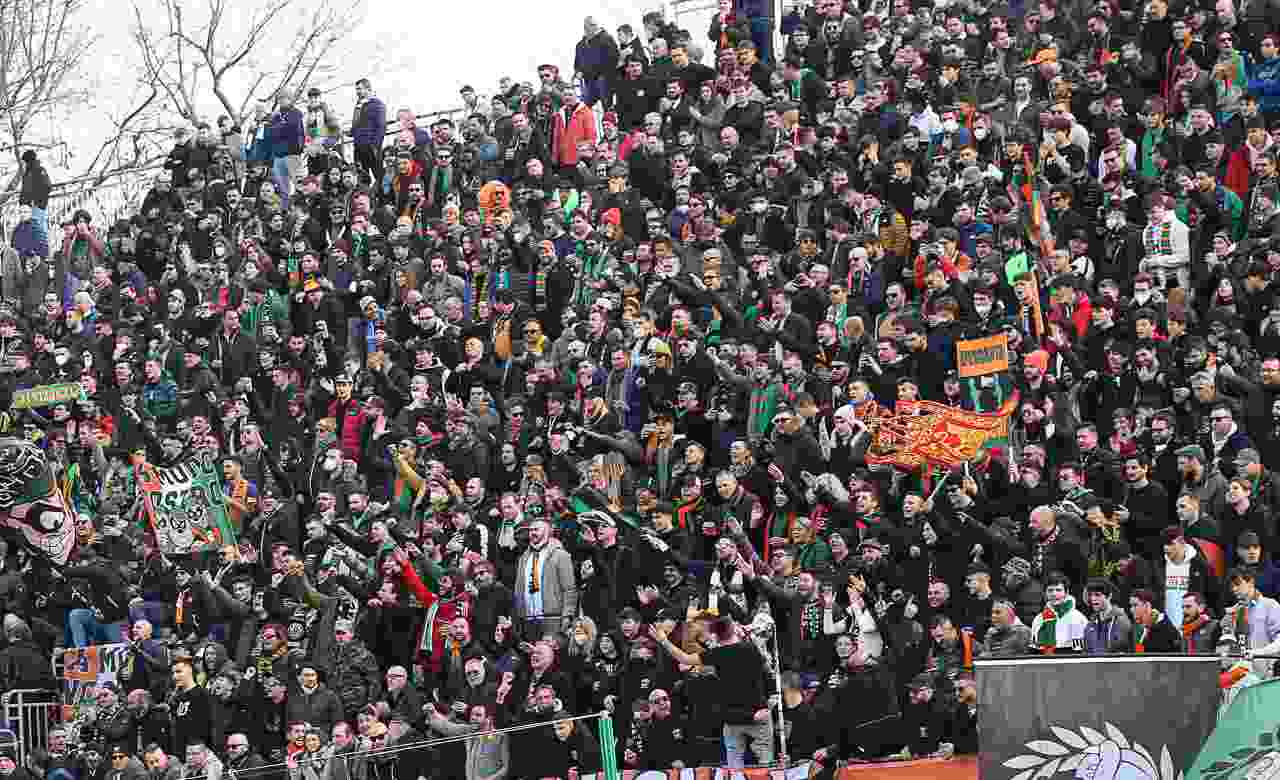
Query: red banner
{"type": "Point", "coordinates": [925, 432]}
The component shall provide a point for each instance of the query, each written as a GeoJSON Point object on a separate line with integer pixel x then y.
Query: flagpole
{"type": "Point", "coordinates": [941, 482]}
{"type": "Point", "coordinates": [782, 719]}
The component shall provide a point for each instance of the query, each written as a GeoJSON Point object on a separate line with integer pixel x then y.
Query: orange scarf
{"type": "Point", "coordinates": [1228, 679]}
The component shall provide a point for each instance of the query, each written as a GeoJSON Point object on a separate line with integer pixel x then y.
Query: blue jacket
{"type": "Point", "coordinates": [1266, 84]}
{"type": "Point", "coordinates": [1109, 633]}
{"type": "Point", "coordinates": [287, 134]}
{"type": "Point", "coordinates": [370, 123]}
{"type": "Point", "coordinates": [596, 58]}
{"type": "Point", "coordinates": [27, 239]}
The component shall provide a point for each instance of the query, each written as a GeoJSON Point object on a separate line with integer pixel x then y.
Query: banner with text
{"type": "Point", "coordinates": [979, 357]}
{"type": "Point", "coordinates": [1137, 717]}
{"type": "Point", "coordinates": [188, 510]}
{"type": "Point", "coordinates": [47, 395]}
{"type": "Point", "coordinates": [86, 669]}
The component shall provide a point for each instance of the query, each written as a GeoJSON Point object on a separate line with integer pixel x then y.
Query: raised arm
{"type": "Point", "coordinates": [679, 655]}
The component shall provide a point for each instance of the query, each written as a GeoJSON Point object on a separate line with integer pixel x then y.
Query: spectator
{"type": "Point", "coordinates": [1008, 636]}
{"type": "Point", "coordinates": [368, 126]}
{"type": "Point", "coordinates": [1109, 629]}
{"type": "Point", "coordinates": [1153, 632]}
{"type": "Point", "coordinates": [741, 699]}
{"type": "Point", "coordinates": [1061, 627]}
{"type": "Point", "coordinates": [483, 398]}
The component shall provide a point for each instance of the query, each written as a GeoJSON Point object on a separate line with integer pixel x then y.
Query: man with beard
{"type": "Point", "coordinates": [803, 642]}
{"type": "Point", "coordinates": [405, 699]}
{"type": "Point", "coordinates": [241, 756]}
{"type": "Point", "coordinates": [547, 593]}
{"type": "Point", "coordinates": [1158, 441]}
{"type": "Point", "coordinates": [1209, 486]}
{"type": "Point", "coordinates": [111, 722]}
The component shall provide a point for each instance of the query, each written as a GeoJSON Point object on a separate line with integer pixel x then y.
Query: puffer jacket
{"type": "Point", "coordinates": [1266, 85]}
{"type": "Point", "coordinates": [1109, 632]}
{"type": "Point", "coordinates": [321, 708]}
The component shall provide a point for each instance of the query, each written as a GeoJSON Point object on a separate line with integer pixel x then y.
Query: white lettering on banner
{"type": "Point", "coordinates": [185, 505]}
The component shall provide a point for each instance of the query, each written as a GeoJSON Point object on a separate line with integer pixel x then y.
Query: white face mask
{"type": "Point", "coordinates": [950, 126]}
{"type": "Point", "coordinates": [982, 308]}
{"type": "Point", "coordinates": [759, 208]}
{"type": "Point", "coordinates": [980, 133]}
{"type": "Point", "coordinates": [1115, 223]}
{"type": "Point", "coordinates": [1142, 296]}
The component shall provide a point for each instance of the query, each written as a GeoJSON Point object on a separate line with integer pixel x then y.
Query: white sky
{"type": "Point", "coordinates": [434, 46]}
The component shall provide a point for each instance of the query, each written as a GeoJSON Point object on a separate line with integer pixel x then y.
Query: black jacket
{"type": "Point", "coordinates": [1163, 637]}
{"type": "Point", "coordinates": [24, 665]}
{"type": "Point", "coordinates": [35, 186]}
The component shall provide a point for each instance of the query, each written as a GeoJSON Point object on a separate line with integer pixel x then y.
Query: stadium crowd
{"type": "Point", "coordinates": [566, 405]}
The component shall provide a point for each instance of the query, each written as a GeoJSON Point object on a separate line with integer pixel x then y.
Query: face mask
{"type": "Point", "coordinates": [950, 126]}
{"type": "Point", "coordinates": [1142, 297]}
{"type": "Point", "coordinates": [980, 133]}
{"type": "Point", "coordinates": [911, 143]}
{"type": "Point", "coordinates": [1115, 223]}
{"type": "Point", "coordinates": [759, 208]}
{"type": "Point", "coordinates": [982, 308]}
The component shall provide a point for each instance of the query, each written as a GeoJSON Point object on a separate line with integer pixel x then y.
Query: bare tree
{"type": "Point", "coordinates": [42, 46]}
{"type": "Point", "coordinates": [240, 55]}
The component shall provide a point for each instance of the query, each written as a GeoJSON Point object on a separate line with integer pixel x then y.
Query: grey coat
{"type": "Point", "coordinates": [559, 586]}
{"type": "Point", "coordinates": [1006, 642]}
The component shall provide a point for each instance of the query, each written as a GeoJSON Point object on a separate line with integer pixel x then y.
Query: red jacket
{"type": "Point", "coordinates": [1080, 316]}
{"type": "Point", "coordinates": [350, 418]}
{"type": "Point", "coordinates": [567, 131]}
{"type": "Point", "coordinates": [1238, 173]}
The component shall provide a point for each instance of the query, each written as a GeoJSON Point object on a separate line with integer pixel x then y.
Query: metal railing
{"type": "Point", "coordinates": [29, 714]}
{"type": "Point", "coordinates": [121, 196]}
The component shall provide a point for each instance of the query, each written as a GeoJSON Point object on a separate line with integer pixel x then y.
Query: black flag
{"type": "Point", "coordinates": [1132, 717]}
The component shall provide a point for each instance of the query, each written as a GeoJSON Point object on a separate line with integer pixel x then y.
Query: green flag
{"type": "Point", "coordinates": [1246, 741]}
{"type": "Point", "coordinates": [608, 748]}
{"type": "Point", "coordinates": [189, 510]}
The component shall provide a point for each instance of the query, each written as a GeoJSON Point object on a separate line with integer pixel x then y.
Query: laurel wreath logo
{"type": "Point", "coordinates": [1091, 754]}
